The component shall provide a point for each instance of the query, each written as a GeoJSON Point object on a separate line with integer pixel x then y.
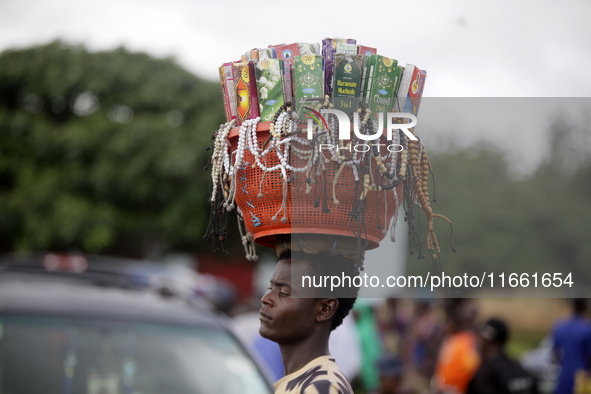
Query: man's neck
{"type": "Point", "coordinates": [296, 356]}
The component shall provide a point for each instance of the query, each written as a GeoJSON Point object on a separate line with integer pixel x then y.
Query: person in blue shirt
{"type": "Point", "coordinates": [572, 346]}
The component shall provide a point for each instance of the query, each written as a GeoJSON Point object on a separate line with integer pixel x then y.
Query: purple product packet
{"type": "Point", "coordinates": [329, 46]}
{"type": "Point", "coordinates": [287, 82]}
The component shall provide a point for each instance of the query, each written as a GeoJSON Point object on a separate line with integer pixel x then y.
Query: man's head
{"type": "Point", "coordinates": [285, 319]}
{"type": "Point", "coordinates": [579, 306]}
{"type": "Point", "coordinates": [494, 335]}
{"type": "Point", "coordinates": [390, 369]}
{"type": "Point", "coordinates": [461, 313]}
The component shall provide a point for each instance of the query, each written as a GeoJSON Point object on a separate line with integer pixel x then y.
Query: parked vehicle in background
{"type": "Point", "coordinates": [72, 324]}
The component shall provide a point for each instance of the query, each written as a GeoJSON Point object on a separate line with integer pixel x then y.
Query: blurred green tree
{"type": "Point", "coordinates": [540, 224]}
{"type": "Point", "coordinates": [103, 152]}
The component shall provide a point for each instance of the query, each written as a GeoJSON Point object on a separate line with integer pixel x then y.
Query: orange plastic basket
{"type": "Point", "coordinates": [259, 196]}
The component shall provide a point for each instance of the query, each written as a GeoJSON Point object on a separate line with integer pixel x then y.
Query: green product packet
{"type": "Point", "coordinates": [364, 77]}
{"type": "Point", "coordinates": [308, 80]}
{"type": "Point", "coordinates": [381, 86]}
{"type": "Point", "coordinates": [269, 87]}
{"type": "Point", "coordinates": [346, 87]}
{"type": "Point", "coordinates": [399, 71]}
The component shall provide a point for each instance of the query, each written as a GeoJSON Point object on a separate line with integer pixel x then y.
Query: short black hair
{"type": "Point", "coordinates": [579, 306]}
{"type": "Point", "coordinates": [496, 331]}
{"type": "Point", "coordinates": [324, 264]}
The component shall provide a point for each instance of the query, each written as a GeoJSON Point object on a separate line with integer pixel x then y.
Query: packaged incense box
{"type": "Point", "coordinates": [329, 46]}
{"type": "Point", "coordinates": [270, 86]}
{"type": "Point", "coordinates": [366, 51]}
{"type": "Point", "coordinates": [347, 82]}
{"type": "Point", "coordinates": [287, 76]}
{"type": "Point", "coordinates": [415, 91]}
{"type": "Point", "coordinates": [287, 52]}
{"type": "Point", "coordinates": [229, 92]}
{"type": "Point", "coordinates": [309, 49]}
{"type": "Point", "coordinates": [308, 80]}
{"type": "Point", "coordinates": [346, 48]}
{"type": "Point", "coordinates": [247, 102]}
{"type": "Point", "coordinates": [364, 72]}
{"type": "Point", "coordinates": [254, 55]}
{"type": "Point", "coordinates": [227, 109]}
{"type": "Point", "coordinates": [381, 79]}
{"type": "Point", "coordinates": [367, 77]}
{"type": "Point", "coordinates": [399, 73]}
{"type": "Point", "coordinates": [402, 91]}
{"type": "Point", "coordinates": [267, 54]}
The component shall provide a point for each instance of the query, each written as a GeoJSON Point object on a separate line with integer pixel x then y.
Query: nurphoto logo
{"type": "Point", "coordinates": [345, 128]}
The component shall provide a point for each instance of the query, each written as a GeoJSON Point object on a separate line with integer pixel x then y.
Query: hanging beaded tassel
{"type": "Point", "coordinates": [372, 172]}
{"type": "Point", "coordinates": [217, 229]}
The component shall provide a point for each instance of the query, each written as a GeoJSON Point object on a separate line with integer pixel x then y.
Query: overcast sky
{"type": "Point", "coordinates": [469, 48]}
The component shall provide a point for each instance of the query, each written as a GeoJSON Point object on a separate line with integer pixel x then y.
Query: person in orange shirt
{"type": "Point", "coordinates": [458, 357]}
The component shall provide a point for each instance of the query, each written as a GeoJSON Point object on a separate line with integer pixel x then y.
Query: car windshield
{"type": "Point", "coordinates": [55, 355]}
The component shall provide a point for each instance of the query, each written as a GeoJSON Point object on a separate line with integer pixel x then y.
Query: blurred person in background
{"type": "Point", "coordinates": [420, 345]}
{"type": "Point", "coordinates": [458, 356]}
{"type": "Point", "coordinates": [498, 374]}
{"type": "Point", "coordinates": [392, 323]}
{"type": "Point", "coordinates": [391, 375]}
{"type": "Point", "coordinates": [572, 346]}
{"type": "Point", "coordinates": [371, 345]}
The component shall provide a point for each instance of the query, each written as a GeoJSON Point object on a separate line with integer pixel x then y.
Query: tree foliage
{"type": "Point", "coordinates": [540, 224]}
{"type": "Point", "coordinates": [102, 152]}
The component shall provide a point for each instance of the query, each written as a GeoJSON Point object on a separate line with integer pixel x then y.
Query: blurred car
{"type": "Point", "coordinates": [72, 324]}
{"type": "Point", "coordinates": [540, 362]}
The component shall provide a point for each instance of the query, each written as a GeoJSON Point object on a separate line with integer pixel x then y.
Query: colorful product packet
{"type": "Point", "coordinates": [346, 48]}
{"type": "Point", "coordinates": [287, 52]}
{"type": "Point", "coordinates": [380, 86]}
{"type": "Point", "coordinates": [254, 55]}
{"type": "Point", "coordinates": [347, 82]}
{"type": "Point", "coordinates": [366, 51]}
{"type": "Point", "coordinates": [309, 49]}
{"type": "Point", "coordinates": [287, 75]}
{"type": "Point", "coordinates": [227, 109]}
{"type": "Point", "coordinates": [402, 92]}
{"type": "Point", "coordinates": [267, 54]}
{"type": "Point", "coordinates": [367, 77]}
{"type": "Point", "coordinates": [399, 73]}
{"type": "Point", "coordinates": [329, 46]}
{"type": "Point", "coordinates": [414, 93]}
{"type": "Point", "coordinates": [364, 73]}
{"type": "Point", "coordinates": [229, 91]}
{"type": "Point", "coordinates": [308, 80]}
{"type": "Point", "coordinates": [271, 85]}
{"type": "Point", "coordinates": [247, 102]}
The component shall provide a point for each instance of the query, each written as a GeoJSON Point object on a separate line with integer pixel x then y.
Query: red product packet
{"type": "Point", "coordinates": [288, 52]}
{"type": "Point", "coordinates": [365, 51]}
{"type": "Point", "coordinates": [245, 85]}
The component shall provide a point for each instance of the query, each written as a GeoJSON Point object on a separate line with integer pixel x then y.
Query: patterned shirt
{"type": "Point", "coordinates": [319, 376]}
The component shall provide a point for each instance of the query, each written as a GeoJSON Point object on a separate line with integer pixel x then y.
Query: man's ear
{"type": "Point", "coordinates": [328, 308]}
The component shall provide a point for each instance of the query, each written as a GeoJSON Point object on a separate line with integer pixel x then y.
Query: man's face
{"type": "Point", "coordinates": [285, 319]}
